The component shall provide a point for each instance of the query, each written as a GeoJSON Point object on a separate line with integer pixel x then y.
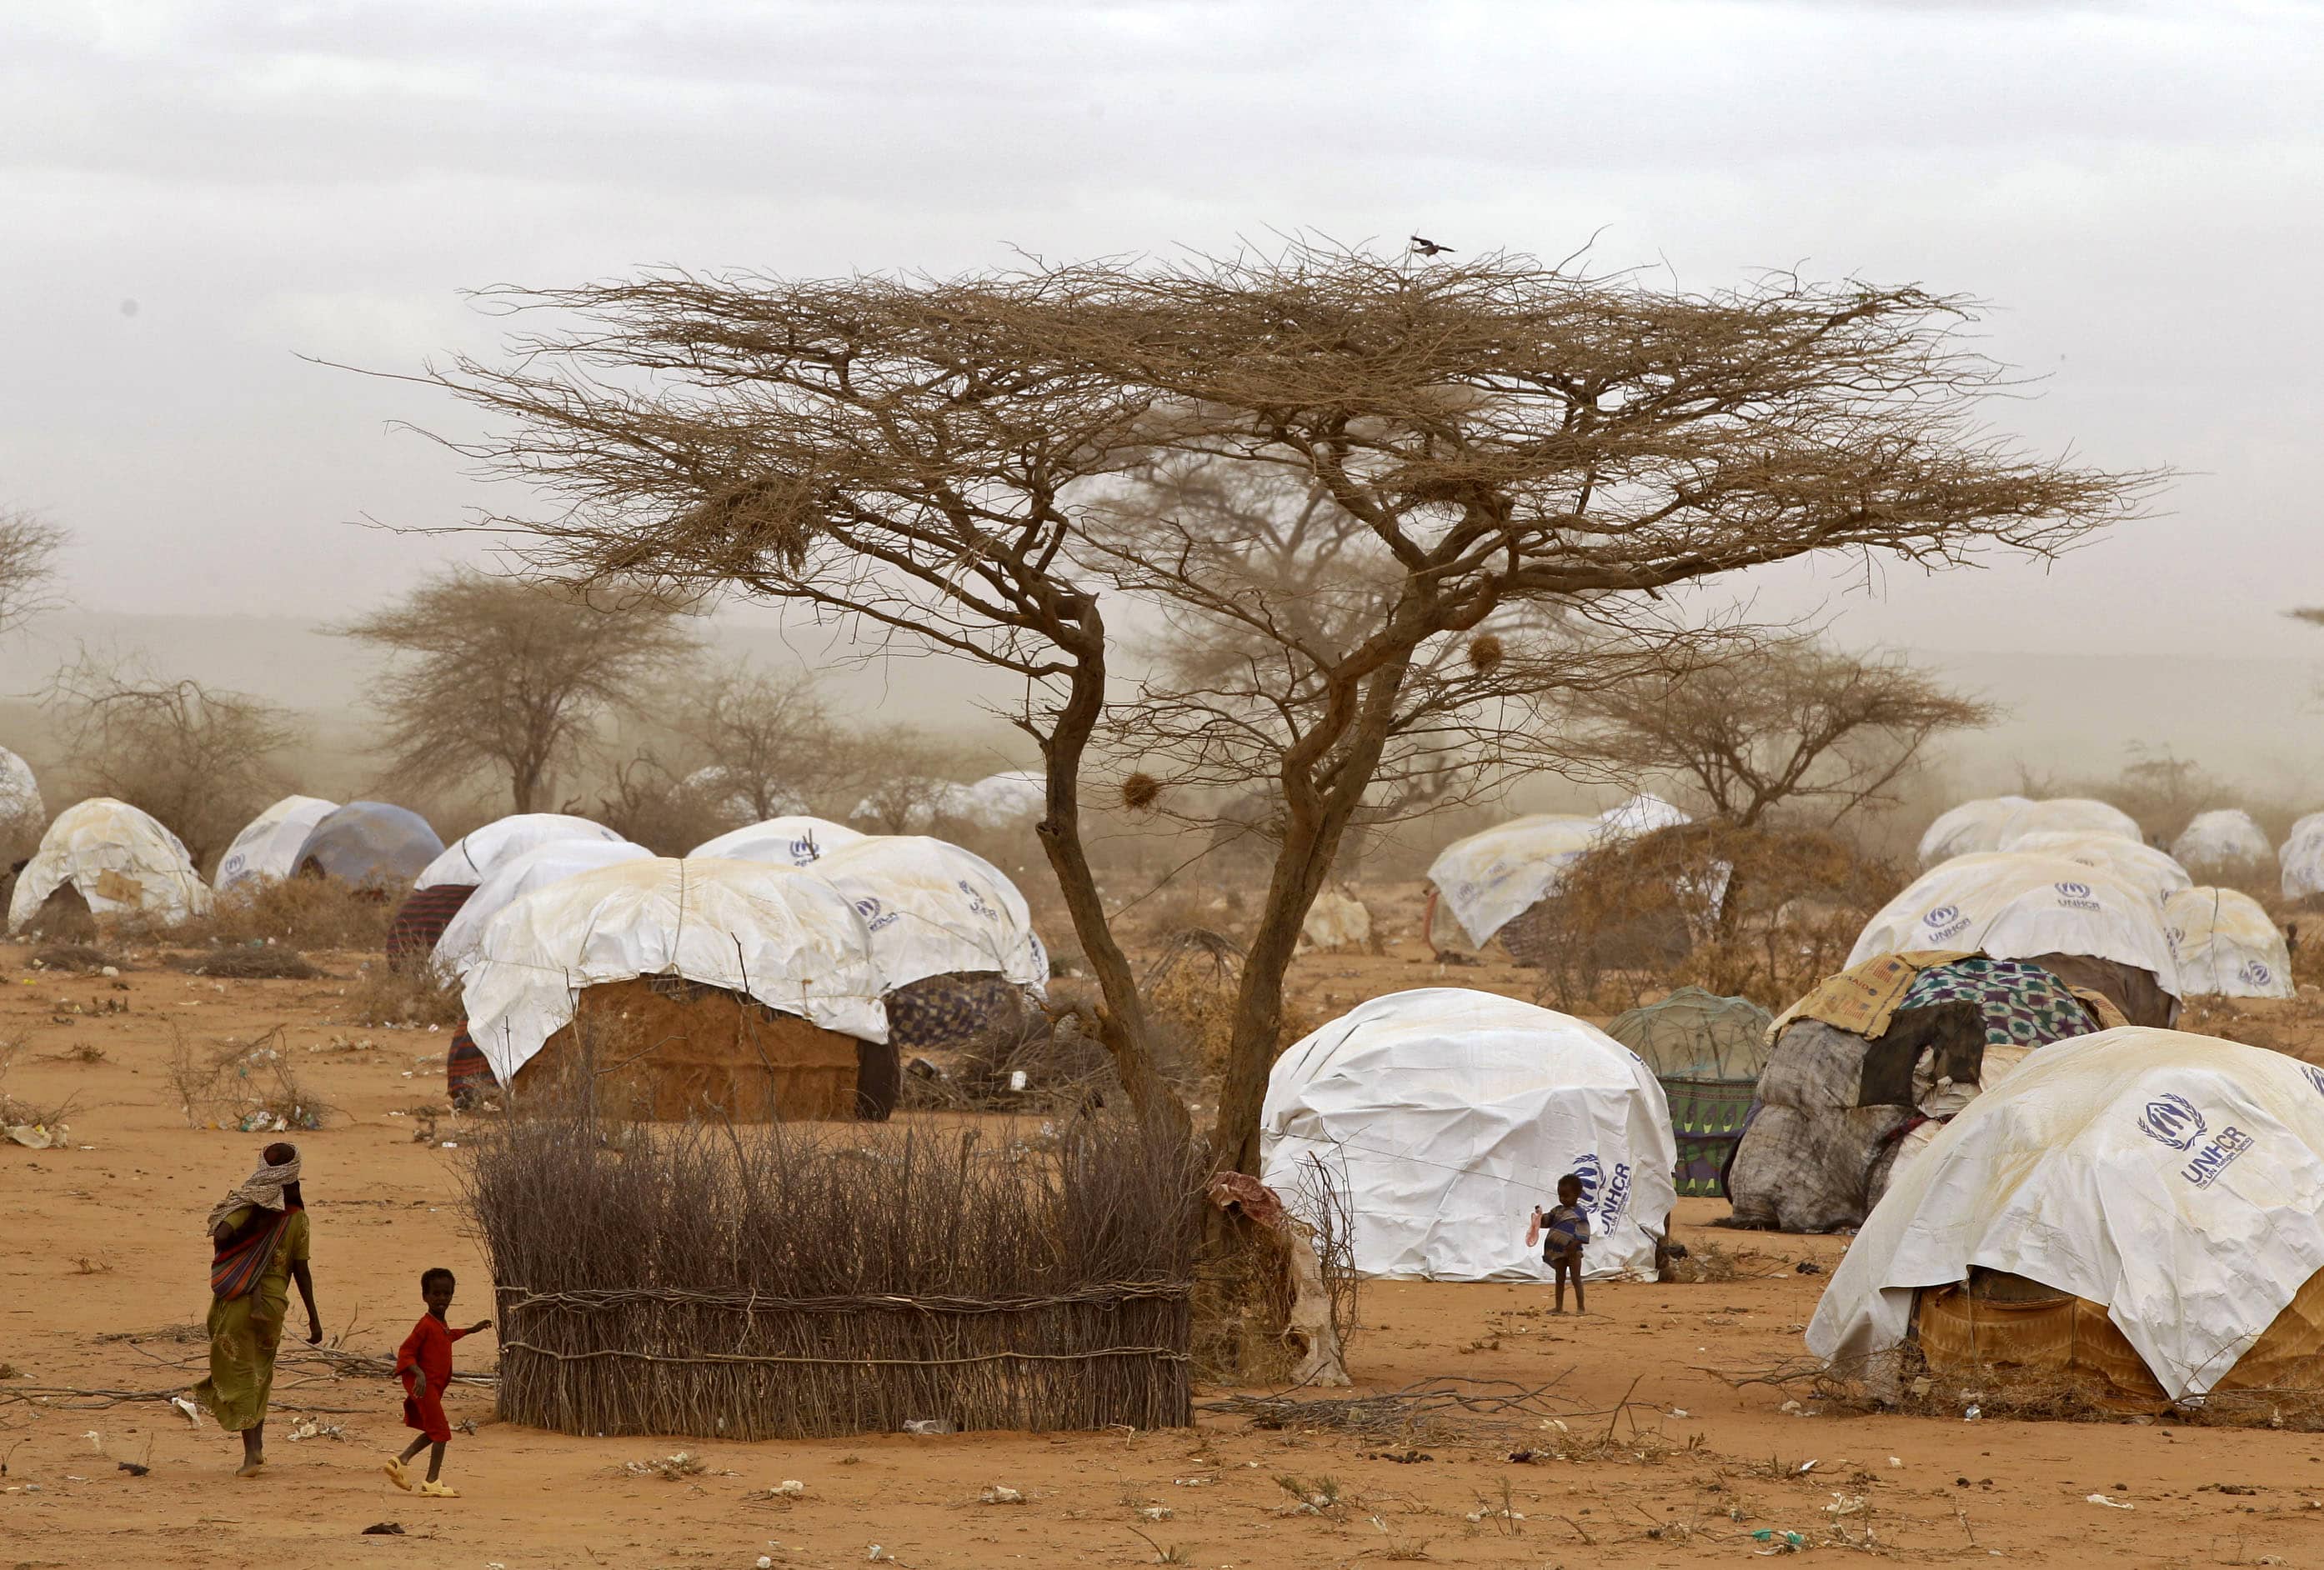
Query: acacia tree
{"type": "Point", "coordinates": [200, 760]}
{"type": "Point", "coordinates": [772, 741]}
{"type": "Point", "coordinates": [1519, 444]}
{"type": "Point", "coordinates": [1780, 724]}
{"type": "Point", "coordinates": [501, 675]}
{"type": "Point", "coordinates": [29, 543]}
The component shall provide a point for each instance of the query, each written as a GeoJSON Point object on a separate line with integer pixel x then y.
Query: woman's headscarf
{"type": "Point", "coordinates": [262, 1189]}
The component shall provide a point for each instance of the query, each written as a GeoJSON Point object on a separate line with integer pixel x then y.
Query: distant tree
{"type": "Point", "coordinates": [1792, 724]}
{"type": "Point", "coordinates": [493, 674]}
{"type": "Point", "coordinates": [898, 777]}
{"type": "Point", "coordinates": [201, 759]}
{"type": "Point", "coordinates": [29, 543]}
{"type": "Point", "coordinates": [771, 739]}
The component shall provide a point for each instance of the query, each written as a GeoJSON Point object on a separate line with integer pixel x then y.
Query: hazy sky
{"type": "Point", "coordinates": [193, 195]}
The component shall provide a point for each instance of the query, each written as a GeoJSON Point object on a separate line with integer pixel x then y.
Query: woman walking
{"type": "Point", "coordinates": [260, 1233]}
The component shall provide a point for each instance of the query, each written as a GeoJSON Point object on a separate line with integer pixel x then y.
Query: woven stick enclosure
{"type": "Point", "coordinates": [782, 1282]}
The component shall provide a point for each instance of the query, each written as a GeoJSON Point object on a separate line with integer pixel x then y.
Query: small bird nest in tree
{"type": "Point", "coordinates": [1140, 791]}
{"type": "Point", "coordinates": [1485, 652]}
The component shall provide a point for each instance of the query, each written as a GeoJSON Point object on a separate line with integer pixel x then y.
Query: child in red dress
{"type": "Point", "coordinates": [424, 1363]}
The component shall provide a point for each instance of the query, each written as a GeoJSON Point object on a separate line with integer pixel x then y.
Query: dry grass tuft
{"type": "Point", "coordinates": [264, 963]}
{"type": "Point", "coordinates": [85, 958]}
{"type": "Point", "coordinates": [253, 1088]}
{"type": "Point", "coordinates": [305, 912]}
{"type": "Point", "coordinates": [15, 1109]}
{"type": "Point", "coordinates": [419, 995]}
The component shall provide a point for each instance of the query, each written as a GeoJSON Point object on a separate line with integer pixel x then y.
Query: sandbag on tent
{"type": "Point", "coordinates": [2067, 815]}
{"type": "Point", "coordinates": [1444, 1116]}
{"type": "Point", "coordinates": [2223, 843]}
{"type": "Point", "coordinates": [445, 884]}
{"type": "Point", "coordinates": [1866, 1056]}
{"type": "Point", "coordinates": [796, 841]}
{"type": "Point", "coordinates": [2301, 858]}
{"type": "Point", "coordinates": [2142, 866]}
{"type": "Point", "coordinates": [116, 860]}
{"type": "Point", "coordinates": [519, 876]}
{"type": "Point", "coordinates": [370, 845]}
{"type": "Point", "coordinates": [2228, 945]}
{"type": "Point", "coordinates": [269, 844]}
{"type": "Point", "coordinates": [2090, 927]}
{"type": "Point", "coordinates": [1484, 881]}
{"type": "Point", "coordinates": [953, 938]}
{"type": "Point", "coordinates": [2163, 1187]}
{"type": "Point", "coordinates": [1708, 1052]}
{"type": "Point", "coordinates": [1968, 828]}
{"type": "Point", "coordinates": [761, 989]}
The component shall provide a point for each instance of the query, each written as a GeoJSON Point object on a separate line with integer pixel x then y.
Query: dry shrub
{"type": "Point", "coordinates": [849, 1278]}
{"type": "Point", "coordinates": [264, 962]}
{"type": "Point", "coordinates": [1190, 998]}
{"type": "Point", "coordinates": [1762, 914]}
{"type": "Point", "coordinates": [1242, 1304]}
{"type": "Point", "coordinates": [14, 1107]}
{"type": "Point", "coordinates": [85, 959]}
{"type": "Point", "coordinates": [380, 994]}
{"type": "Point", "coordinates": [251, 1087]}
{"type": "Point", "coordinates": [306, 912]}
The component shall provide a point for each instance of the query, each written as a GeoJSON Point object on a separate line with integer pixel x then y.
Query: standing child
{"type": "Point", "coordinates": [1562, 1231]}
{"type": "Point", "coordinates": [424, 1363]}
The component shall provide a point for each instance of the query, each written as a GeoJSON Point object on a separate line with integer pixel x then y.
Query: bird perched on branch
{"type": "Point", "coordinates": [1422, 246]}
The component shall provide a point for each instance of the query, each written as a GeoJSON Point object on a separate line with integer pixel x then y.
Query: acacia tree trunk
{"type": "Point", "coordinates": [1122, 1026]}
{"type": "Point", "coordinates": [1316, 821]}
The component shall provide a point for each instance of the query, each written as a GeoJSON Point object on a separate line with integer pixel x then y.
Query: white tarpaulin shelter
{"type": "Point", "coordinates": [933, 909]}
{"type": "Point", "coordinates": [787, 939]}
{"type": "Point", "coordinates": [2227, 946]}
{"type": "Point", "coordinates": [1487, 879]}
{"type": "Point", "coordinates": [2140, 865]}
{"type": "Point", "coordinates": [2067, 815]}
{"type": "Point", "coordinates": [2177, 1179]}
{"type": "Point", "coordinates": [476, 854]}
{"type": "Point", "coordinates": [2224, 839]}
{"type": "Point", "coordinates": [518, 876]}
{"type": "Point", "coordinates": [268, 845]}
{"type": "Point", "coordinates": [797, 840]}
{"type": "Point", "coordinates": [1641, 814]}
{"type": "Point", "coordinates": [2015, 906]}
{"type": "Point", "coordinates": [1966, 828]}
{"type": "Point", "coordinates": [121, 860]}
{"type": "Point", "coordinates": [20, 792]}
{"type": "Point", "coordinates": [1445, 1116]}
{"type": "Point", "coordinates": [2301, 859]}
{"type": "Point", "coordinates": [730, 794]}
{"type": "Point", "coordinates": [1017, 795]}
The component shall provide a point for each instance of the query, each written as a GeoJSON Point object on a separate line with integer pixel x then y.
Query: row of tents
{"type": "Point", "coordinates": [831, 951]}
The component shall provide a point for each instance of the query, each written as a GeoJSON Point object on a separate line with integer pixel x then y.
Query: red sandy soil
{"type": "Point", "coordinates": [104, 1240]}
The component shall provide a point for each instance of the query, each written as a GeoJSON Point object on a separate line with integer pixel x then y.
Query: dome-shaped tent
{"type": "Point", "coordinates": [2092, 929]}
{"type": "Point", "coordinates": [735, 990]}
{"type": "Point", "coordinates": [1443, 1115]}
{"type": "Point", "coordinates": [1486, 880]}
{"type": "Point", "coordinates": [23, 813]}
{"type": "Point", "coordinates": [1641, 814]}
{"type": "Point", "coordinates": [2141, 1208]}
{"type": "Point", "coordinates": [268, 845]}
{"type": "Point", "coordinates": [519, 876]}
{"type": "Point", "coordinates": [2067, 815]}
{"type": "Point", "coordinates": [998, 801]}
{"type": "Point", "coordinates": [370, 845]}
{"type": "Point", "coordinates": [1968, 828]}
{"type": "Point", "coordinates": [1707, 1051]}
{"type": "Point", "coordinates": [1871, 1054]}
{"type": "Point", "coordinates": [2301, 858]}
{"type": "Point", "coordinates": [2226, 945]}
{"type": "Point", "coordinates": [953, 937]}
{"type": "Point", "coordinates": [2223, 842]}
{"type": "Point", "coordinates": [117, 860]}
{"type": "Point", "coordinates": [797, 840]}
{"type": "Point", "coordinates": [2142, 866]}
{"type": "Point", "coordinates": [445, 884]}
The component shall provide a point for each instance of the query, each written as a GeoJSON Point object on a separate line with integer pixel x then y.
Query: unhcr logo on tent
{"type": "Point", "coordinates": [2315, 1076]}
{"type": "Point", "coordinates": [2174, 1121]}
{"type": "Point", "coordinates": [875, 917]}
{"type": "Point", "coordinates": [1944, 921]}
{"type": "Point", "coordinates": [2076, 896]}
{"type": "Point", "coordinates": [2215, 1157]}
{"type": "Point", "coordinates": [2254, 974]}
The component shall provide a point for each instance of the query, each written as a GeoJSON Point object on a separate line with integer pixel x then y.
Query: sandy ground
{"type": "Point", "coordinates": [103, 1242]}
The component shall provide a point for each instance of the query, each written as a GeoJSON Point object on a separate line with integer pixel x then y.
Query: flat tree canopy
{"type": "Point", "coordinates": [1520, 449]}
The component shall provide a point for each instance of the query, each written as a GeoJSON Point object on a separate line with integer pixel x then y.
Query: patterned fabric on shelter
{"type": "Point", "coordinates": [2024, 1004]}
{"type": "Point", "coordinates": [420, 920]}
{"type": "Point", "coordinates": [469, 1076]}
